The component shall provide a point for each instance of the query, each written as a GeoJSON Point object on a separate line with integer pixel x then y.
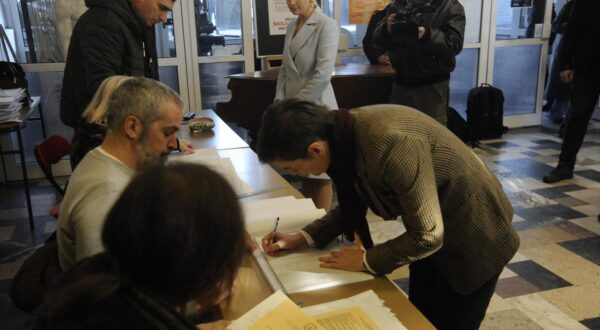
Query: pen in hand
{"type": "Point", "coordinates": [274, 230]}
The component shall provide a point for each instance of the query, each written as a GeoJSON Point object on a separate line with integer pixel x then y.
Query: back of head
{"type": "Point", "coordinates": [139, 97]}
{"type": "Point", "coordinates": [177, 232]}
{"type": "Point", "coordinates": [96, 111]}
{"type": "Point", "coordinates": [289, 127]}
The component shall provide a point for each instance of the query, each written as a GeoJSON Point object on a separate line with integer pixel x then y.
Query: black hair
{"type": "Point", "coordinates": [289, 126]}
{"type": "Point", "coordinates": [177, 231]}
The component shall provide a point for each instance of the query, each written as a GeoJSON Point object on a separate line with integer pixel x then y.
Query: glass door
{"type": "Point", "coordinates": [517, 57]}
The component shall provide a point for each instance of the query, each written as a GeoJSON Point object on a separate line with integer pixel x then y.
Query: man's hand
{"type": "Point", "coordinates": [186, 147]}
{"type": "Point", "coordinates": [567, 75]}
{"type": "Point", "coordinates": [384, 59]}
{"type": "Point", "coordinates": [348, 258]}
{"type": "Point", "coordinates": [421, 32]}
{"type": "Point", "coordinates": [273, 243]}
{"type": "Point", "coordinates": [249, 242]}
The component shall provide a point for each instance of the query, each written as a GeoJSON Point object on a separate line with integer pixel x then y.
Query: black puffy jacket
{"type": "Point", "coordinates": [107, 40]}
{"type": "Point", "coordinates": [431, 58]}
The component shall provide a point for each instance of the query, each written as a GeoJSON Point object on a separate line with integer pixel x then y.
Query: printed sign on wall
{"type": "Point", "coordinates": [279, 17]}
{"type": "Point", "coordinates": [360, 11]}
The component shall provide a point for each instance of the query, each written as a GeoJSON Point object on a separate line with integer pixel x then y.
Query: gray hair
{"type": "Point", "coordinates": [139, 97]}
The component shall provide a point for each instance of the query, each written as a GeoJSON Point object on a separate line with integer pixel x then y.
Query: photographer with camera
{"type": "Point", "coordinates": [423, 38]}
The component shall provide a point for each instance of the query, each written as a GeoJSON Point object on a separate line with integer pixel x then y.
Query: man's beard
{"type": "Point", "coordinates": [146, 155]}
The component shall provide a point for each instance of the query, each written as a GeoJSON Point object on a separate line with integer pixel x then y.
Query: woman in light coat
{"type": "Point", "coordinates": [309, 53]}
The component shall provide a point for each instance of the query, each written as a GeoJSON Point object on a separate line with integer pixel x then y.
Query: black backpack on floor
{"type": "Point", "coordinates": [485, 112]}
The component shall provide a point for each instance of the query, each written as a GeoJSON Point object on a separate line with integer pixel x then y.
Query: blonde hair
{"type": "Point", "coordinates": [97, 110]}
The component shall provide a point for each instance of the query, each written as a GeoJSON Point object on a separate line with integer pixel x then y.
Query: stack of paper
{"type": "Point", "coordinates": [364, 311]}
{"type": "Point", "coordinates": [210, 158]}
{"type": "Point", "coordinates": [10, 104]}
{"type": "Point", "coordinates": [298, 270]}
{"type": "Point", "coordinates": [292, 213]}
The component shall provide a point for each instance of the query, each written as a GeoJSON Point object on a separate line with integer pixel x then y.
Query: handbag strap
{"type": "Point", "coordinates": [5, 42]}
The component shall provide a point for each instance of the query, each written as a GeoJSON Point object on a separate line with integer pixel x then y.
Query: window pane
{"type": "Point", "coordinates": [218, 27]}
{"type": "Point", "coordinates": [356, 32]}
{"type": "Point", "coordinates": [473, 17]}
{"type": "Point", "coordinates": [516, 74]}
{"type": "Point", "coordinates": [168, 76]}
{"type": "Point", "coordinates": [519, 22]}
{"type": "Point", "coordinates": [165, 38]}
{"type": "Point", "coordinates": [463, 79]}
{"type": "Point", "coordinates": [31, 29]}
{"type": "Point", "coordinates": [327, 7]}
{"type": "Point", "coordinates": [213, 82]}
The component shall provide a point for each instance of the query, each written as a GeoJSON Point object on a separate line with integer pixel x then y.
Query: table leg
{"type": "Point", "coordinates": [42, 119]}
{"type": "Point", "coordinates": [25, 179]}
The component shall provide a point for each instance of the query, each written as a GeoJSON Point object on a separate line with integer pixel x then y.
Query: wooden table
{"type": "Point", "coordinates": [220, 137]}
{"type": "Point", "coordinates": [251, 286]}
{"type": "Point", "coordinates": [354, 85]}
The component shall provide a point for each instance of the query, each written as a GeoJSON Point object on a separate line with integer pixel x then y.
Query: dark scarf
{"type": "Point", "coordinates": [343, 173]}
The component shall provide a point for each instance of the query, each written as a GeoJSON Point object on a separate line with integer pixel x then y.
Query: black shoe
{"type": "Point", "coordinates": [558, 174]}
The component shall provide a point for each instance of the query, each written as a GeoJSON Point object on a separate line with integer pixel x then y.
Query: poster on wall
{"type": "Point", "coordinates": [279, 17]}
{"type": "Point", "coordinates": [360, 11]}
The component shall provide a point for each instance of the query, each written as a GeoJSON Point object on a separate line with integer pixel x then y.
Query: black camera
{"type": "Point", "coordinates": [405, 26]}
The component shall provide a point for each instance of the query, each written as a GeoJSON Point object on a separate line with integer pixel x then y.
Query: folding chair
{"type": "Point", "coordinates": [47, 153]}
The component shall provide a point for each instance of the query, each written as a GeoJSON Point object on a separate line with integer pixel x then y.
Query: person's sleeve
{"type": "Point", "coordinates": [381, 36]}
{"type": "Point", "coordinates": [559, 24]}
{"type": "Point", "coordinates": [369, 48]}
{"type": "Point", "coordinates": [568, 44]}
{"type": "Point", "coordinates": [102, 50]}
{"type": "Point", "coordinates": [326, 53]}
{"type": "Point", "coordinates": [88, 220]}
{"type": "Point", "coordinates": [408, 171]}
{"type": "Point", "coordinates": [447, 41]}
{"type": "Point", "coordinates": [281, 79]}
{"type": "Point", "coordinates": [326, 229]}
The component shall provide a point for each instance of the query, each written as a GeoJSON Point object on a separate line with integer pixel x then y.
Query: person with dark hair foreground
{"type": "Point", "coordinates": [399, 162]}
{"type": "Point", "coordinates": [160, 253]}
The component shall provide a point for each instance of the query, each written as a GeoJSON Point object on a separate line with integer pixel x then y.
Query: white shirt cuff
{"type": "Point", "coordinates": [309, 240]}
{"type": "Point", "coordinates": [366, 264]}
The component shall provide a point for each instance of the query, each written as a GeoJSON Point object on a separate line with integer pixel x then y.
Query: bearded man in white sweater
{"type": "Point", "coordinates": [143, 120]}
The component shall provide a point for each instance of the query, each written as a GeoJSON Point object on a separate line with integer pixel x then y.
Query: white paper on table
{"type": "Point", "coordinates": [370, 304]}
{"type": "Point", "coordinates": [260, 215]}
{"type": "Point", "coordinates": [224, 166]}
{"type": "Point", "coordinates": [300, 271]}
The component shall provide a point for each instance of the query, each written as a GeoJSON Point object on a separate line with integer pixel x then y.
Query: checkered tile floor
{"type": "Point", "coordinates": [552, 283]}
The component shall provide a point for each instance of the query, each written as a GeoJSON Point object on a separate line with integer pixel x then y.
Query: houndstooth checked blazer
{"type": "Point", "coordinates": [453, 207]}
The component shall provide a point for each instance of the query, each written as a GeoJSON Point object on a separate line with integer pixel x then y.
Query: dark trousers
{"type": "Point", "coordinates": [441, 304]}
{"type": "Point", "coordinates": [586, 88]}
{"type": "Point", "coordinates": [431, 99]}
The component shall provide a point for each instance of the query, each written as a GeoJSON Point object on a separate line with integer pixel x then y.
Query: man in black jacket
{"type": "Point", "coordinates": [579, 60]}
{"type": "Point", "coordinates": [113, 37]}
{"type": "Point", "coordinates": [423, 38]}
{"type": "Point", "coordinates": [375, 54]}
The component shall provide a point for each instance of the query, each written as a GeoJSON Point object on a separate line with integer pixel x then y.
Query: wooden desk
{"type": "Point", "coordinates": [251, 285]}
{"type": "Point", "coordinates": [220, 137]}
{"type": "Point", "coordinates": [354, 85]}
{"type": "Point", "coordinates": [17, 127]}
